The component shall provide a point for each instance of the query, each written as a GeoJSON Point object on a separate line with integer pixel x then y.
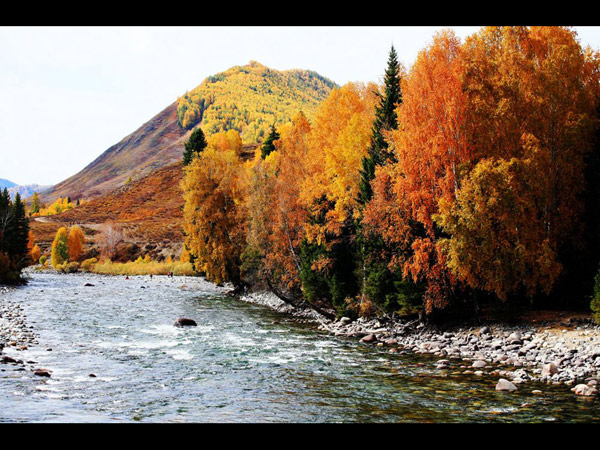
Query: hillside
{"type": "Point", "coordinates": [250, 99]}
{"type": "Point", "coordinates": [246, 98]}
{"type": "Point", "coordinates": [148, 209]}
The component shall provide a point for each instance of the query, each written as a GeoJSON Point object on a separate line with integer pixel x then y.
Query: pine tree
{"type": "Point", "coordinates": [194, 146]}
{"type": "Point", "coordinates": [385, 288]}
{"type": "Point", "coordinates": [268, 145]}
{"type": "Point", "coordinates": [385, 119]}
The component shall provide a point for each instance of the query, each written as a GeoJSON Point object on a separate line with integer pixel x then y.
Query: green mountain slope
{"type": "Point", "coordinates": [250, 99]}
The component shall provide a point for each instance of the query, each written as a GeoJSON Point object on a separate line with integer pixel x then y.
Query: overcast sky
{"type": "Point", "coordinates": [69, 93]}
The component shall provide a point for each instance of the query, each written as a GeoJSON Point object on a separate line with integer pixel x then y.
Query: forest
{"type": "Point", "coordinates": [470, 180]}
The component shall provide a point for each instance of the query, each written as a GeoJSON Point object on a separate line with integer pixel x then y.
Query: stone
{"type": "Point", "coordinates": [345, 320]}
{"type": "Point", "coordinates": [88, 284]}
{"type": "Point", "coordinates": [42, 372]}
{"type": "Point", "coordinates": [479, 364]}
{"type": "Point", "coordinates": [505, 385]}
{"type": "Point", "coordinates": [584, 390]}
{"type": "Point", "coordinates": [368, 338]}
{"type": "Point", "coordinates": [185, 322]}
{"type": "Point", "coordinates": [536, 392]}
{"type": "Point", "coordinates": [549, 369]}
{"type": "Point", "coordinates": [514, 338]}
{"type": "Point", "coordinates": [484, 330]}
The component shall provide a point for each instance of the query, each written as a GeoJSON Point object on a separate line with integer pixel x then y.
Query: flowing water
{"type": "Point", "coordinates": [242, 363]}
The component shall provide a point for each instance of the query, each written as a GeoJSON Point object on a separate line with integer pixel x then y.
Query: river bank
{"type": "Point", "coordinates": [567, 354]}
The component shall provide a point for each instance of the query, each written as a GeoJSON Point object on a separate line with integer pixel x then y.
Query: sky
{"type": "Point", "coordinates": [68, 93]}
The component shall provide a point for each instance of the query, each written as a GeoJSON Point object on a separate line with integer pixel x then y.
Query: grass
{"type": "Point", "coordinates": [143, 268]}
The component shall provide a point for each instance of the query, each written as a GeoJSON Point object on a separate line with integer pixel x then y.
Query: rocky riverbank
{"type": "Point", "coordinates": [15, 334]}
{"type": "Point", "coordinates": [515, 354]}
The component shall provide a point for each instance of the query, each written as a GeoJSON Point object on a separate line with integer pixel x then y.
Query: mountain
{"type": "Point", "coordinates": [6, 183]}
{"type": "Point", "coordinates": [26, 190]}
{"type": "Point", "coordinates": [247, 98]}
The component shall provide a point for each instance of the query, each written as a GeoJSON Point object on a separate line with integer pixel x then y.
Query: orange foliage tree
{"type": "Point", "coordinates": [430, 146]}
{"type": "Point", "coordinates": [531, 102]}
{"type": "Point", "coordinates": [75, 241]}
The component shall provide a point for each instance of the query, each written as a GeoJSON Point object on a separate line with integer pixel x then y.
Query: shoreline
{"type": "Point", "coordinates": [515, 354]}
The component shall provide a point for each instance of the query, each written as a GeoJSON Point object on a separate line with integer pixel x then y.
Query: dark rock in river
{"type": "Point", "coordinates": [88, 284]}
{"type": "Point", "coordinates": [369, 338]}
{"type": "Point", "coordinates": [42, 372]}
{"type": "Point", "coordinates": [184, 322]}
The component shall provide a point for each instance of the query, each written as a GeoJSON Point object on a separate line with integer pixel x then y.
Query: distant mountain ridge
{"type": "Point", "coordinates": [26, 190]}
{"type": "Point", "coordinates": [246, 98]}
{"type": "Point", "coordinates": [4, 183]}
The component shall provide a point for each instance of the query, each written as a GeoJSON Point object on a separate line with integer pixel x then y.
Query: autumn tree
{"type": "Point", "coordinates": [430, 146]}
{"type": "Point", "coordinates": [75, 241]}
{"type": "Point", "coordinates": [214, 214]}
{"type": "Point", "coordinates": [35, 203]}
{"type": "Point", "coordinates": [531, 105]}
{"type": "Point", "coordinates": [111, 235]}
{"type": "Point", "coordinates": [60, 248]}
{"type": "Point", "coordinates": [336, 145]}
{"type": "Point", "coordinates": [276, 217]}
{"type": "Point", "coordinates": [194, 146]}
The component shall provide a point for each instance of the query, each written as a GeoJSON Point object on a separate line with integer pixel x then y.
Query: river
{"type": "Point", "coordinates": [242, 363]}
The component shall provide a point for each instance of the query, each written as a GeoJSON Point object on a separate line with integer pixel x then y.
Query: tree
{"type": "Point", "coordinates": [75, 241]}
{"type": "Point", "coordinates": [517, 224]}
{"type": "Point", "coordinates": [336, 145]}
{"type": "Point", "coordinates": [269, 142]}
{"type": "Point", "coordinates": [214, 216]}
{"type": "Point", "coordinates": [385, 120]}
{"type": "Point", "coordinates": [109, 239]}
{"type": "Point", "coordinates": [60, 248]}
{"type": "Point", "coordinates": [194, 146]}
{"type": "Point", "coordinates": [430, 148]}
{"type": "Point", "coordinates": [19, 235]}
{"type": "Point", "coordinates": [35, 203]}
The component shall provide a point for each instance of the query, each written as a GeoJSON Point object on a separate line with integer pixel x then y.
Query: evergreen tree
{"type": "Point", "coordinates": [268, 145]}
{"type": "Point", "coordinates": [385, 119]}
{"type": "Point", "coordinates": [194, 146]}
{"type": "Point", "coordinates": [17, 245]}
{"type": "Point", "coordinates": [385, 288]}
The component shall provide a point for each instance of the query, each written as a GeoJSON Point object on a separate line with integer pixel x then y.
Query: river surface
{"type": "Point", "coordinates": [242, 363]}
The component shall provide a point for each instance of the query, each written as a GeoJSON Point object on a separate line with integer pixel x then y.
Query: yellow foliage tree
{"type": "Point", "coordinates": [60, 248]}
{"type": "Point", "coordinates": [214, 213]}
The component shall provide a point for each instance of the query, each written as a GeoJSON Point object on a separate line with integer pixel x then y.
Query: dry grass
{"type": "Point", "coordinates": [143, 268]}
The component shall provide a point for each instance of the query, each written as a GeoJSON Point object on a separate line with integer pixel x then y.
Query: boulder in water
{"type": "Point", "coordinates": [184, 322]}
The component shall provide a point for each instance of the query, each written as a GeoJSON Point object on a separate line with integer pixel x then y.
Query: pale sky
{"type": "Point", "coordinates": [69, 93]}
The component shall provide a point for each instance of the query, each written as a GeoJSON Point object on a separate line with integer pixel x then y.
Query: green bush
{"type": "Point", "coordinates": [43, 259]}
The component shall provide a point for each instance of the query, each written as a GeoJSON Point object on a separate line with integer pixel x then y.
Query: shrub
{"type": "Point", "coordinates": [43, 260]}
{"type": "Point", "coordinates": [68, 267]}
{"type": "Point", "coordinates": [595, 303]}
{"type": "Point", "coordinates": [88, 264]}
